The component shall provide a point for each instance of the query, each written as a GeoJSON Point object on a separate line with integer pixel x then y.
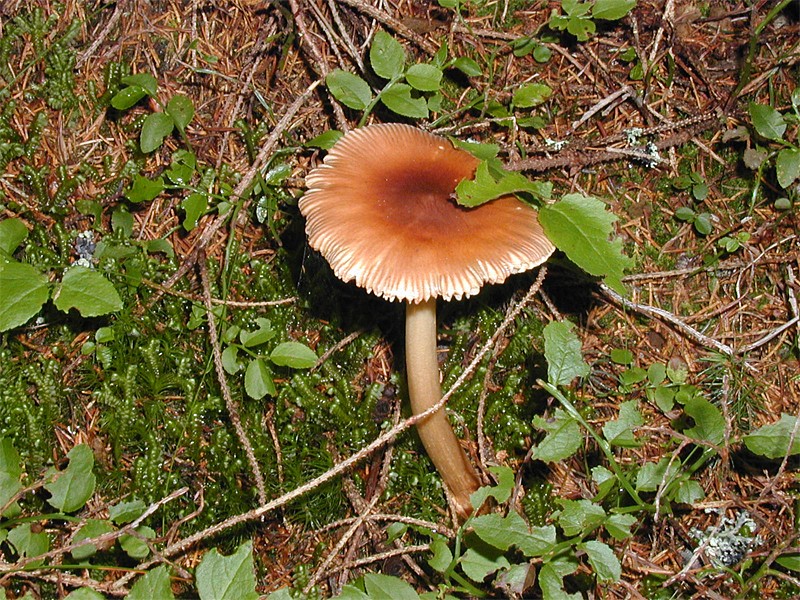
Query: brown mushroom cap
{"type": "Point", "coordinates": [380, 210]}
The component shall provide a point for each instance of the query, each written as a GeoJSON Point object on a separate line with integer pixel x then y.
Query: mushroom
{"type": "Point", "coordinates": [380, 210]}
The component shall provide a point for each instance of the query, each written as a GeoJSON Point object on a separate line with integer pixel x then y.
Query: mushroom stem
{"type": "Point", "coordinates": [424, 390]}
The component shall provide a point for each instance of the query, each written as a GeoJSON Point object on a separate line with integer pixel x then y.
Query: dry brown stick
{"type": "Point", "coordinates": [349, 533]}
{"type": "Point", "coordinates": [345, 465]}
{"type": "Point", "coordinates": [382, 556]}
{"type": "Point", "coordinates": [73, 581]}
{"type": "Point", "coordinates": [335, 348]}
{"type": "Point", "coordinates": [318, 62]}
{"type": "Point", "coordinates": [11, 568]}
{"type": "Point", "coordinates": [389, 21]}
{"type": "Point", "coordinates": [664, 315]}
{"type": "Point", "coordinates": [436, 527]}
{"type": "Point", "coordinates": [322, 570]}
{"type": "Point", "coordinates": [122, 6]}
{"type": "Point", "coordinates": [244, 185]}
{"type": "Point", "coordinates": [582, 157]}
{"type": "Point", "coordinates": [233, 409]}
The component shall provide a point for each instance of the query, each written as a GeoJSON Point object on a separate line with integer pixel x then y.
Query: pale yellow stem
{"type": "Point", "coordinates": [424, 390]}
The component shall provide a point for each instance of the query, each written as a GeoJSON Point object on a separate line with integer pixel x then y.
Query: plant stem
{"type": "Point", "coordinates": [424, 390]}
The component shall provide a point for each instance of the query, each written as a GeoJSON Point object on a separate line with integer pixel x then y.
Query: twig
{"type": "Point", "coordinates": [392, 23]}
{"type": "Point", "coordinates": [320, 573]}
{"type": "Point", "coordinates": [382, 556]}
{"type": "Point", "coordinates": [652, 311]}
{"type": "Point", "coordinates": [435, 527]}
{"type": "Point", "coordinates": [318, 62]}
{"type": "Point", "coordinates": [95, 541]}
{"type": "Point", "coordinates": [233, 409]}
{"type": "Point", "coordinates": [335, 348]}
{"type": "Point", "coordinates": [345, 465]}
{"type": "Point", "coordinates": [276, 442]}
{"type": "Point", "coordinates": [121, 7]}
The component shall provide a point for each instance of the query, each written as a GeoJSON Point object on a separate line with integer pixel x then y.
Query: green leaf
{"type": "Point", "coordinates": [772, 441]}
{"type": "Point", "coordinates": [787, 166]}
{"type": "Point", "coordinates": [619, 526]}
{"type": "Point", "coordinates": [789, 561]}
{"type": "Point", "coordinates": [143, 190]}
{"type": "Point", "coordinates": [258, 380]}
{"type": "Point", "coordinates": [325, 140]}
{"type": "Point", "coordinates": [127, 97]}
{"type": "Point", "coordinates": [562, 349]}
{"type": "Point", "coordinates": [10, 471]}
{"type": "Point", "coordinates": [227, 577]}
{"type": "Point", "coordinates": [155, 128]}
{"type": "Point", "coordinates": [398, 98]}
{"type": "Point", "coordinates": [87, 291]}
{"type": "Point", "coordinates": [562, 440]}
{"type": "Point", "coordinates": [482, 560]}
{"type": "Point", "coordinates": [551, 578]}
{"type": "Point", "coordinates": [153, 584]}
{"type": "Point", "coordinates": [424, 77]}
{"type": "Point", "coordinates": [622, 356]}
{"type": "Point", "coordinates": [182, 168]}
{"type": "Point", "coordinates": [349, 89]}
{"type": "Point", "coordinates": [181, 109]}
{"type": "Point", "coordinates": [689, 492]}
{"type": "Point", "coordinates": [486, 186]}
{"type": "Point", "coordinates": [768, 122]}
{"type": "Point", "coordinates": [538, 542]}
{"type": "Point", "coordinates": [620, 431]}
{"type": "Point", "coordinates": [380, 586]}
{"type": "Point", "coordinates": [230, 360]}
{"type": "Point", "coordinates": [72, 487]}
{"type": "Point", "coordinates": [294, 355]}
{"type": "Point", "coordinates": [703, 224]}
{"type": "Point", "coordinates": [500, 492]}
{"type": "Point", "coordinates": [652, 475]}
{"type": "Point", "coordinates": [478, 150]}
{"type": "Point", "coordinates": [580, 517]}
{"type": "Point", "coordinates": [709, 423]}
{"type": "Point", "coordinates": [542, 53]}
{"type": "Point", "coordinates": [122, 219]}
{"type": "Point", "coordinates": [612, 10]}
{"type": "Point", "coordinates": [194, 206]}
{"type": "Point", "coordinates": [12, 233]}
{"type": "Point", "coordinates": [125, 512]}
{"type": "Point", "coordinates": [603, 560]}
{"type": "Point", "coordinates": [581, 28]}
{"type": "Point", "coordinates": [134, 546]}
{"type": "Point", "coordinates": [27, 543]}
{"type": "Point", "coordinates": [498, 531]}
{"type": "Point", "coordinates": [23, 291]}
{"type": "Point", "coordinates": [386, 55]}
{"type": "Point", "coordinates": [441, 555]}
{"type": "Point", "coordinates": [467, 66]}
{"type": "Point", "coordinates": [92, 528]}
{"type": "Point", "coordinates": [143, 80]}
{"type": "Point", "coordinates": [263, 334]}
{"type": "Point", "coordinates": [531, 94]}
{"type": "Point", "coordinates": [582, 227]}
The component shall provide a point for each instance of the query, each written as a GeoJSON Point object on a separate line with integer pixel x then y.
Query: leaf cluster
{"type": "Point", "coordinates": [24, 289]}
{"type": "Point", "coordinates": [250, 347]}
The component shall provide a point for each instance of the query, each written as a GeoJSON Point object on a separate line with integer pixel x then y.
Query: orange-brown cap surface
{"type": "Point", "coordinates": [380, 210]}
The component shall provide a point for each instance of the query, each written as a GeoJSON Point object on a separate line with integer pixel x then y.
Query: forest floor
{"type": "Point", "coordinates": [165, 144]}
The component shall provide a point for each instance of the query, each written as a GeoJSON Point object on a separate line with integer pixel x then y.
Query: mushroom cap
{"type": "Point", "coordinates": [380, 209]}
